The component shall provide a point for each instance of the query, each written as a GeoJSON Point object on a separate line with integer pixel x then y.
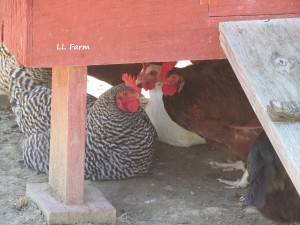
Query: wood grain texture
{"type": "Point", "coordinates": [1, 20]}
{"type": "Point", "coordinates": [120, 31]}
{"type": "Point", "coordinates": [265, 56]}
{"type": "Point", "coordinates": [252, 7]}
{"type": "Point", "coordinates": [67, 144]}
{"type": "Point", "coordinates": [18, 27]}
{"type": "Point", "coordinates": [96, 209]}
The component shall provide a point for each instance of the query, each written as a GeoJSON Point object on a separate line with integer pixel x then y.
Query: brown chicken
{"type": "Point", "coordinates": [207, 99]}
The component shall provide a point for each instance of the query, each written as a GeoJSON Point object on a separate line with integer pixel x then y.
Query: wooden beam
{"type": "Point", "coordinates": [252, 7]}
{"type": "Point", "coordinates": [265, 56]}
{"type": "Point", "coordinates": [126, 31]}
{"type": "Point", "coordinates": [17, 28]}
{"type": "Point", "coordinates": [92, 32]}
{"type": "Point", "coordinates": [67, 145]}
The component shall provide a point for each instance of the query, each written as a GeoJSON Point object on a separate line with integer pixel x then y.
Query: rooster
{"type": "Point", "coordinates": [207, 99]}
{"type": "Point", "coordinates": [270, 189]}
{"type": "Point", "coordinates": [168, 131]}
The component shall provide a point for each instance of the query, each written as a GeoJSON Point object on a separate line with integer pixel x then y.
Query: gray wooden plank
{"type": "Point", "coordinates": [265, 56]}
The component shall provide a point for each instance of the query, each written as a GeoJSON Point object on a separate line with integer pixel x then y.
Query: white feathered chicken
{"type": "Point", "coordinates": [168, 131]}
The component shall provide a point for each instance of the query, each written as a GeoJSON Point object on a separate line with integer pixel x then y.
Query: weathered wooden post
{"type": "Point", "coordinates": [63, 200]}
{"type": "Point", "coordinates": [68, 116]}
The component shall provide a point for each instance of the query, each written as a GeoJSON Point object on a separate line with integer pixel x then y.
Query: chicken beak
{"type": "Point", "coordinates": [139, 84]}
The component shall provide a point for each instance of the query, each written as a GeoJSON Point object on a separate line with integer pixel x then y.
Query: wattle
{"type": "Point", "coordinates": [168, 90]}
{"type": "Point", "coordinates": [133, 106]}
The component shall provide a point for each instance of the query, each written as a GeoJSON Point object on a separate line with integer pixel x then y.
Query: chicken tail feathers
{"type": "Point", "coordinates": [262, 171]}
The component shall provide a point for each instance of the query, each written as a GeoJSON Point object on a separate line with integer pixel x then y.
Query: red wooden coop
{"type": "Point", "coordinates": [71, 34]}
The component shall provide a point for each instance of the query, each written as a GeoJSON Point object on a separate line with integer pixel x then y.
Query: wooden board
{"type": "Point", "coordinates": [265, 56]}
{"type": "Point", "coordinates": [44, 33]}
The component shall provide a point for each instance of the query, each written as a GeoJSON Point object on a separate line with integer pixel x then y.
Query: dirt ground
{"type": "Point", "coordinates": [180, 188]}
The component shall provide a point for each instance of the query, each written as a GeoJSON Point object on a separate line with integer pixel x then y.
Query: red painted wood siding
{"type": "Point", "coordinates": [1, 20]}
{"type": "Point", "coordinates": [252, 7]}
{"type": "Point", "coordinates": [120, 31]}
{"type": "Point", "coordinates": [18, 28]}
{"type": "Point", "coordinates": [124, 31]}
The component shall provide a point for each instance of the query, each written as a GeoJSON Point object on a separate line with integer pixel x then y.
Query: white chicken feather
{"type": "Point", "coordinates": [167, 130]}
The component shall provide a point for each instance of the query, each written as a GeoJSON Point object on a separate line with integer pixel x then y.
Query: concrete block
{"type": "Point", "coordinates": [95, 209]}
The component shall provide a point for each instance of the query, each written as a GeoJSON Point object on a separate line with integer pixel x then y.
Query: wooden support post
{"type": "Point", "coordinates": [67, 144]}
{"type": "Point", "coordinates": [67, 149]}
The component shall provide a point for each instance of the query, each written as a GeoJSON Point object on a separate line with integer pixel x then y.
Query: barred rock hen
{"type": "Point", "coordinates": [36, 148]}
{"type": "Point", "coordinates": [31, 104]}
{"type": "Point", "coordinates": [120, 139]}
{"type": "Point", "coordinates": [129, 138]}
{"type": "Point", "coordinates": [8, 62]}
{"type": "Point", "coordinates": [270, 188]}
{"type": "Point", "coordinates": [207, 99]}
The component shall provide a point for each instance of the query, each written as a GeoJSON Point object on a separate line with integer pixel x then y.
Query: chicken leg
{"type": "Point", "coordinates": [238, 165]}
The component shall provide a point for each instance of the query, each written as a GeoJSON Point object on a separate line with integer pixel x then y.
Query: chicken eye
{"type": "Point", "coordinates": [173, 77]}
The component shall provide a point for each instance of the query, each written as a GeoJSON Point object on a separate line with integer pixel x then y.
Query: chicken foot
{"type": "Point", "coordinates": [239, 183]}
{"type": "Point", "coordinates": [238, 165]}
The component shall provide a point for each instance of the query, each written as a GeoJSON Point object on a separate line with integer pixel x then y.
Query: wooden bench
{"type": "Point", "coordinates": [265, 56]}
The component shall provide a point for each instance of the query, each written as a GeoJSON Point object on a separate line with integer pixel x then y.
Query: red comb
{"type": "Point", "coordinates": [166, 67]}
{"type": "Point", "coordinates": [130, 81]}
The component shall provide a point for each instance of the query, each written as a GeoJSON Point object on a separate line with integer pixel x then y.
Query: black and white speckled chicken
{"type": "Point", "coordinates": [270, 189]}
{"type": "Point", "coordinates": [8, 62]}
{"type": "Point", "coordinates": [120, 139]}
{"type": "Point", "coordinates": [31, 104]}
